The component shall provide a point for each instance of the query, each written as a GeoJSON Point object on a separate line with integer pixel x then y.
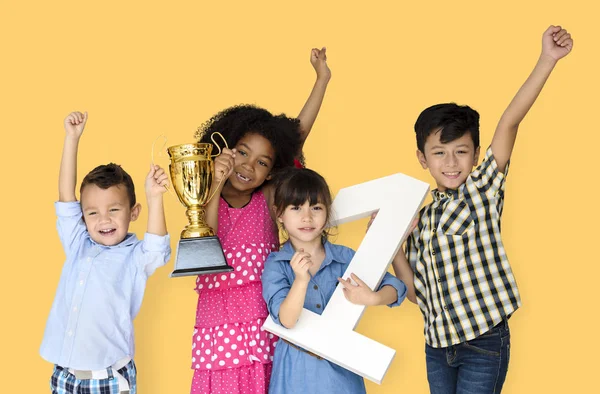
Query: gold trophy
{"type": "Point", "coordinates": [199, 250]}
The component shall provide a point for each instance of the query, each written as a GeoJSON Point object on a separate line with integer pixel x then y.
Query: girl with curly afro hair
{"type": "Point", "coordinates": [230, 351]}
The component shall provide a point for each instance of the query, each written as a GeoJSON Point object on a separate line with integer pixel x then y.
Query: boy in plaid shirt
{"type": "Point", "coordinates": [457, 270]}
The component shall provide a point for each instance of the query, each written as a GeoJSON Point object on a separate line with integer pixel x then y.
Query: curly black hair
{"type": "Point", "coordinates": [235, 122]}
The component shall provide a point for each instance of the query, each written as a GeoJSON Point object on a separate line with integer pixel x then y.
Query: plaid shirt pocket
{"type": "Point", "coordinates": [457, 218]}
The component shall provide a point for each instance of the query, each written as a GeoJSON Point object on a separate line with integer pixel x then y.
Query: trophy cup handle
{"type": "Point", "coordinates": [212, 138]}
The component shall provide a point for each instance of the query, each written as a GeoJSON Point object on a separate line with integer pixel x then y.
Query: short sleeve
{"type": "Point", "coordinates": [276, 286]}
{"type": "Point", "coordinates": [487, 177]}
{"type": "Point", "coordinates": [70, 225]}
{"type": "Point", "coordinates": [391, 280]}
{"type": "Point", "coordinates": [153, 252]}
{"type": "Point", "coordinates": [411, 251]}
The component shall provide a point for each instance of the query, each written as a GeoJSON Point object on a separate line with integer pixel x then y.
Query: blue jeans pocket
{"type": "Point", "coordinates": [489, 344]}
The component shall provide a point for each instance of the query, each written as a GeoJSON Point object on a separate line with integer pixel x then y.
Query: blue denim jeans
{"type": "Point", "coordinates": [477, 366]}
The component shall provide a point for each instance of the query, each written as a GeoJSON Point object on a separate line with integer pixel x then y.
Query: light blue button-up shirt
{"type": "Point", "coordinates": [100, 292]}
{"type": "Point", "coordinates": [295, 371]}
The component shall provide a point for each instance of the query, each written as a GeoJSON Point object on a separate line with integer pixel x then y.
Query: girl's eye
{"type": "Point", "coordinates": [241, 152]}
{"type": "Point", "coordinates": [317, 208]}
{"type": "Point", "coordinates": [295, 207]}
{"type": "Point", "coordinates": [262, 163]}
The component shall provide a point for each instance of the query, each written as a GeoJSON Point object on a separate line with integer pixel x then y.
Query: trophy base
{"type": "Point", "coordinates": [197, 256]}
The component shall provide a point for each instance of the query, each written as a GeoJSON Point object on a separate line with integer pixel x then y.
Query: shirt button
{"type": "Point", "coordinates": [433, 252]}
{"type": "Point", "coordinates": [318, 305]}
{"type": "Point", "coordinates": [81, 283]}
{"type": "Point", "coordinates": [315, 287]}
{"type": "Point", "coordinates": [89, 259]}
{"type": "Point", "coordinates": [440, 280]}
{"type": "Point", "coordinates": [433, 231]}
{"type": "Point", "coordinates": [446, 307]}
{"type": "Point", "coordinates": [75, 309]}
{"type": "Point", "coordinates": [70, 333]}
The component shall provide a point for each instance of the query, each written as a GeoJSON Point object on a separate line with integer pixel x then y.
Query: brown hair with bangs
{"type": "Point", "coordinates": [295, 186]}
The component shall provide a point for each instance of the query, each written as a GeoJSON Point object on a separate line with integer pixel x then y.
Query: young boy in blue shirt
{"type": "Point", "coordinates": [89, 333]}
{"type": "Point", "coordinates": [457, 270]}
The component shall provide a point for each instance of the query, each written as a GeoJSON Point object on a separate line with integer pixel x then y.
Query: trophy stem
{"type": "Point", "coordinates": [197, 227]}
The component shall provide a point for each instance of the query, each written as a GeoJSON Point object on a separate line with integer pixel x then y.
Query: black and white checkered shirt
{"type": "Point", "coordinates": [463, 281]}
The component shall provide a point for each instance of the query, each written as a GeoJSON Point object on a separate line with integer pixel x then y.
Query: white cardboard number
{"type": "Point", "coordinates": [331, 335]}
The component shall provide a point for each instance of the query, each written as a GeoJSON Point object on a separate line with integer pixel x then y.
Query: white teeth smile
{"type": "Point", "coordinates": [107, 231]}
{"type": "Point", "coordinates": [451, 173]}
{"type": "Point", "coordinates": [243, 178]}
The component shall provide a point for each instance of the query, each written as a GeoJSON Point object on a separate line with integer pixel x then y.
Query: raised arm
{"type": "Point", "coordinates": [156, 184]}
{"type": "Point", "coordinates": [67, 178]}
{"type": "Point", "coordinates": [556, 44]}
{"type": "Point", "coordinates": [308, 114]}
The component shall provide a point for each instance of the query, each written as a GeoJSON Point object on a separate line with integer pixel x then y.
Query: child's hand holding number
{"type": "Point", "coordinates": [75, 123]}
{"type": "Point", "coordinates": [301, 263]}
{"type": "Point", "coordinates": [359, 294]}
{"type": "Point", "coordinates": [157, 181]}
{"type": "Point", "coordinates": [224, 165]}
{"type": "Point", "coordinates": [556, 42]}
{"type": "Point", "coordinates": [318, 59]}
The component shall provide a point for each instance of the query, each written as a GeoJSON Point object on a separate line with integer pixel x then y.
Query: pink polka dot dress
{"type": "Point", "coordinates": [230, 351]}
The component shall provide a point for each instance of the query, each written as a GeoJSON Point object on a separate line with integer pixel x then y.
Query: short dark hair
{"type": "Point", "coordinates": [295, 186]}
{"type": "Point", "coordinates": [453, 120]}
{"type": "Point", "coordinates": [107, 175]}
{"type": "Point", "coordinates": [282, 132]}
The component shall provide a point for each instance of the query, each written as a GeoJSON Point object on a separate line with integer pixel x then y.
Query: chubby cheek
{"type": "Point", "coordinates": [262, 174]}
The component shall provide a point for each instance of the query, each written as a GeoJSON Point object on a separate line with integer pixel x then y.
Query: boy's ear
{"type": "Point", "coordinates": [476, 156]}
{"type": "Point", "coordinates": [135, 211]}
{"type": "Point", "coordinates": [422, 159]}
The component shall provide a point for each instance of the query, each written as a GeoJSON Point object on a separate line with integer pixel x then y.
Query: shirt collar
{"type": "Point", "coordinates": [332, 254]}
{"type": "Point", "coordinates": [129, 240]}
{"type": "Point", "coordinates": [448, 194]}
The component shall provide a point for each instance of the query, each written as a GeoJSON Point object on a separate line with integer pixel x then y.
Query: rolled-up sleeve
{"type": "Point", "coordinates": [70, 225]}
{"type": "Point", "coordinates": [391, 280]}
{"type": "Point", "coordinates": [153, 252]}
{"type": "Point", "coordinates": [276, 286]}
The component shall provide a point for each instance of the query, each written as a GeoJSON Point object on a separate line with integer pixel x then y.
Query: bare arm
{"type": "Point", "coordinates": [309, 112]}
{"type": "Point", "coordinates": [556, 44]}
{"type": "Point", "coordinates": [404, 272]}
{"type": "Point", "coordinates": [291, 307]}
{"type": "Point", "coordinates": [156, 183]}
{"type": "Point", "coordinates": [67, 178]}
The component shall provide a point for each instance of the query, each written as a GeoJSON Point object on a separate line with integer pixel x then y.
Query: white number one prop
{"type": "Point", "coordinates": [331, 335]}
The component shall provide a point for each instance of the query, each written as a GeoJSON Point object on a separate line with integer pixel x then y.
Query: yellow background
{"type": "Point", "coordinates": [143, 69]}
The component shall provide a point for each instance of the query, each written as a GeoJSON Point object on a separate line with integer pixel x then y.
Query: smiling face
{"type": "Point", "coordinates": [253, 162]}
{"type": "Point", "coordinates": [449, 163]}
{"type": "Point", "coordinates": [107, 213]}
{"type": "Point", "coordinates": [304, 223]}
